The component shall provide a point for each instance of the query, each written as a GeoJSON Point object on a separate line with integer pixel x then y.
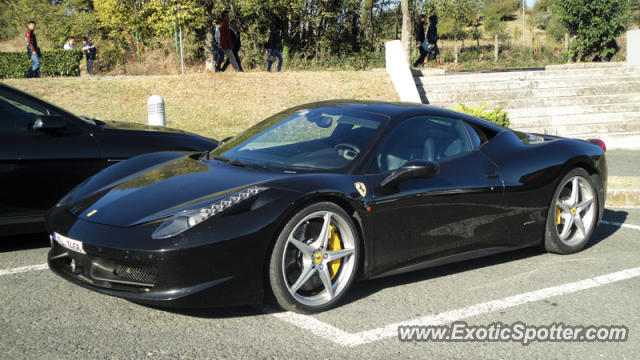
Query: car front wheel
{"type": "Point", "coordinates": [314, 260]}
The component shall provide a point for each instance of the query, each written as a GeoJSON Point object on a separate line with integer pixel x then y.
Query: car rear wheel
{"type": "Point", "coordinates": [573, 213]}
{"type": "Point", "coordinates": [314, 260]}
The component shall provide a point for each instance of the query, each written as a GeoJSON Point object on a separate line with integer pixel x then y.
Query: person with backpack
{"type": "Point", "coordinates": [237, 44]}
{"type": "Point", "coordinates": [33, 51]}
{"type": "Point", "coordinates": [273, 48]}
{"type": "Point", "coordinates": [89, 51]}
{"type": "Point", "coordinates": [420, 40]}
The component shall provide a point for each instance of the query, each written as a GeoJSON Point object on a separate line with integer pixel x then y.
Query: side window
{"type": "Point", "coordinates": [423, 138]}
{"type": "Point", "coordinates": [16, 113]}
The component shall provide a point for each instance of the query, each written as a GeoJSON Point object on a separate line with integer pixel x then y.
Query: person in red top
{"type": "Point", "coordinates": [33, 51]}
{"type": "Point", "coordinates": [226, 43]}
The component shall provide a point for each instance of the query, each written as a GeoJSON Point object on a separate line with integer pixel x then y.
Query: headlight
{"type": "Point", "coordinates": [187, 219]}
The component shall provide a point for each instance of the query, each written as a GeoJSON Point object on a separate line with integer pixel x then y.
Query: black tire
{"type": "Point", "coordinates": [553, 241]}
{"type": "Point", "coordinates": [281, 287]}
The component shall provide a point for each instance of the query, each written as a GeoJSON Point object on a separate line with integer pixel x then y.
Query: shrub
{"type": "Point", "coordinates": [52, 63]}
{"type": "Point", "coordinates": [496, 116]}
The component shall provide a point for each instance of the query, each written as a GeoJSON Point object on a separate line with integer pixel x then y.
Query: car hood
{"type": "Point", "coordinates": [164, 189]}
{"type": "Point", "coordinates": [120, 125]}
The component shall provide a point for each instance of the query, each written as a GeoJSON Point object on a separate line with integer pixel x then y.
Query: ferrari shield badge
{"type": "Point", "coordinates": [362, 189]}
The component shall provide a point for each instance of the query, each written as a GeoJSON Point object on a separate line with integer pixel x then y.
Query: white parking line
{"type": "Point", "coordinates": [23, 269]}
{"type": "Point", "coordinates": [341, 337]}
{"type": "Point", "coordinates": [628, 226]}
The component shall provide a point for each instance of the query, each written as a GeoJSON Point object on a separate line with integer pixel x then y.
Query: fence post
{"type": "Point", "coordinates": [495, 49]}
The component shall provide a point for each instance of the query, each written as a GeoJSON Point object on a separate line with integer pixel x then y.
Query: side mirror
{"type": "Point", "coordinates": [416, 169]}
{"type": "Point", "coordinates": [49, 123]}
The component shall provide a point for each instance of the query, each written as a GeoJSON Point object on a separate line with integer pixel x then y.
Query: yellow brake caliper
{"type": "Point", "coordinates": [558, 215]}
{"type": "Point", "coordinates": [334, 244]}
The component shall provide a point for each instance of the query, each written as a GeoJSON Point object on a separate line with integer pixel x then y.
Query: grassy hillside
{"type": "Point", "coordinates": [213, 105]}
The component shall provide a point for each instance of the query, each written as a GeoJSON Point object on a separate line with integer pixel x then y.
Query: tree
{"type": "Point", "coordinates": [406, 28]}
{"type": "Point", "coordinates": [164, 17]}
{"type": "Point", "coordinates": [496, 12]}
{"type": "Point", "coordinates": [456, 16]}
{"type": "Point", "coordinates": [126, 17]}
{"type": "Point", "coordinates": [595, 24]}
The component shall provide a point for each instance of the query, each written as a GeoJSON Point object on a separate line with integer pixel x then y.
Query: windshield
{"type": "Point", "coordinates": [324, 139]}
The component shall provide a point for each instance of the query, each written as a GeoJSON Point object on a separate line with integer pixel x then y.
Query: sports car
{"type": "Point", "coordinates": [301, 205]}
{"type": "Point", "coordinates": [46, 151]}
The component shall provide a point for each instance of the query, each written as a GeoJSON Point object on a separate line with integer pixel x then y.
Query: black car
{"type": "Point", "coordinates": [46, 151]}
{"type": "Point", "coordinates": [313, 198]}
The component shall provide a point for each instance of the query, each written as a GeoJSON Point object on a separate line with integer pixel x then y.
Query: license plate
{"type": "Point", "coordinates": [69, 243]}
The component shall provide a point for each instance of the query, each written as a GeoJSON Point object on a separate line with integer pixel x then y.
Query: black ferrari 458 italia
{"type": "Point", "coordinates": [310, 200]}
{"type": "Point", "coordinates": [46, 151]}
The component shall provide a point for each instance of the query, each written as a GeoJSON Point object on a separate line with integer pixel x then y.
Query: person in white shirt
{"type": "Point", "coordinates": [218, 54]}
{"type": "Point", "coordinates": [70, 44]}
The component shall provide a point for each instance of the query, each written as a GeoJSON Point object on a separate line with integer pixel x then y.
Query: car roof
{"type": "Point", "coordinates": [398, 111]}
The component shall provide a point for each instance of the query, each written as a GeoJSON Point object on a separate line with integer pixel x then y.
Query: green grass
{"type": "Point", "coordinates": [213, 105]}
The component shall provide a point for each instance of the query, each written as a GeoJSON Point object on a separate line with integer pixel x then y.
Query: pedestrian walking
{"type": "Point", "coordinates": [420, 37]}
{"type": "Point", "coordinates": [70, 44]}
{"type": "Point", "coordinates": [89, 51]}
{"type": "Point", "coordinates": [218, 54]}
{"type": "Point", "coordinates": [226, 43]}
{"type": "Point", "coordinates": [33, 51]}
{"type": "Point", "coordinates": [237, 44]}
{"type": "Point", "coordinates": [432, 38]}
{"type": "Point", "coordinates": [273, 48]}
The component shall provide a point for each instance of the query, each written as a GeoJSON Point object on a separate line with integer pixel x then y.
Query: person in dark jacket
{"type": "Point", "coordinates": [432, 38]}
{"type": "Point", "coordinates": [237, 44]}
{"type": "Point", "coordinates": [226, 43]}
{"type": "Point", "coordinates": [273, 48]}
{"type": "Point", "coordinates": [420, 39]}
{"type": "Point", "coordinates": [33, 51]}
{"type": "Point", "coordinates": [89, 51]}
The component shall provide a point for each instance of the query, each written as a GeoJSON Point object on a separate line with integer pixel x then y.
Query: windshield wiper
{"type": "Point", "coordinates": [231, 161]}
{"type": "Point", "coordinates": [237, 162]}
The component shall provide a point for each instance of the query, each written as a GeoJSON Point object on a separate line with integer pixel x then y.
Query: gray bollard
{"type": "Point", "coordinates": [155, 107]}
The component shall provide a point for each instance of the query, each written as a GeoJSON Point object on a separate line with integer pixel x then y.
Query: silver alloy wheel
{"type": "Point", "coordinates": [575, 210]}
{"type": "Point", "coordinates": [308, 258]}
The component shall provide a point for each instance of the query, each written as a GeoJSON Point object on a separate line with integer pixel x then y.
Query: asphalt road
{"type": "Point", "coordinates": [623, 162]}
{"type": "Point", "coordinates": [43, 316]}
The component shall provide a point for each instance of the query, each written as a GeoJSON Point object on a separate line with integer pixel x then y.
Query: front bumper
{"type": "Point", "coordinates": [186, 272]}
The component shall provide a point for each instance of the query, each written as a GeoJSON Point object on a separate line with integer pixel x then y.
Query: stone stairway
{"type": "Point", "coordinates": [582, 100]}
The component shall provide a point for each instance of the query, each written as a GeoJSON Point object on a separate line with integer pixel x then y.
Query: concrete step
{"type": "Point", "coordinates": [578, 130]}
{"type": "Point", "coordinates": [435, 97]}
{"type": "Point", "coordinates": [522, 113]}
{"type": "Point", "coordinates": [548, 102]}
{"type": "Point", "coordinates": [587, 65]}
{"type": "Point", "coordinates": [584, 120]}
{"type": "Point", "coordinates": [532, 84]}
{"type": "Point", "coordinates": [527, 75]}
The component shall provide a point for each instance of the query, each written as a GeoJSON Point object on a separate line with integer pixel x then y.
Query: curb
{"type": "Point", "coordinates": [623, 197]}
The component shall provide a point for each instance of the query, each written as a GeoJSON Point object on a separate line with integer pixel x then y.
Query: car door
{"type": "Point", "coordinates": [39, 166]}
{"type": "Point", "coordinates": [423, 219]}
